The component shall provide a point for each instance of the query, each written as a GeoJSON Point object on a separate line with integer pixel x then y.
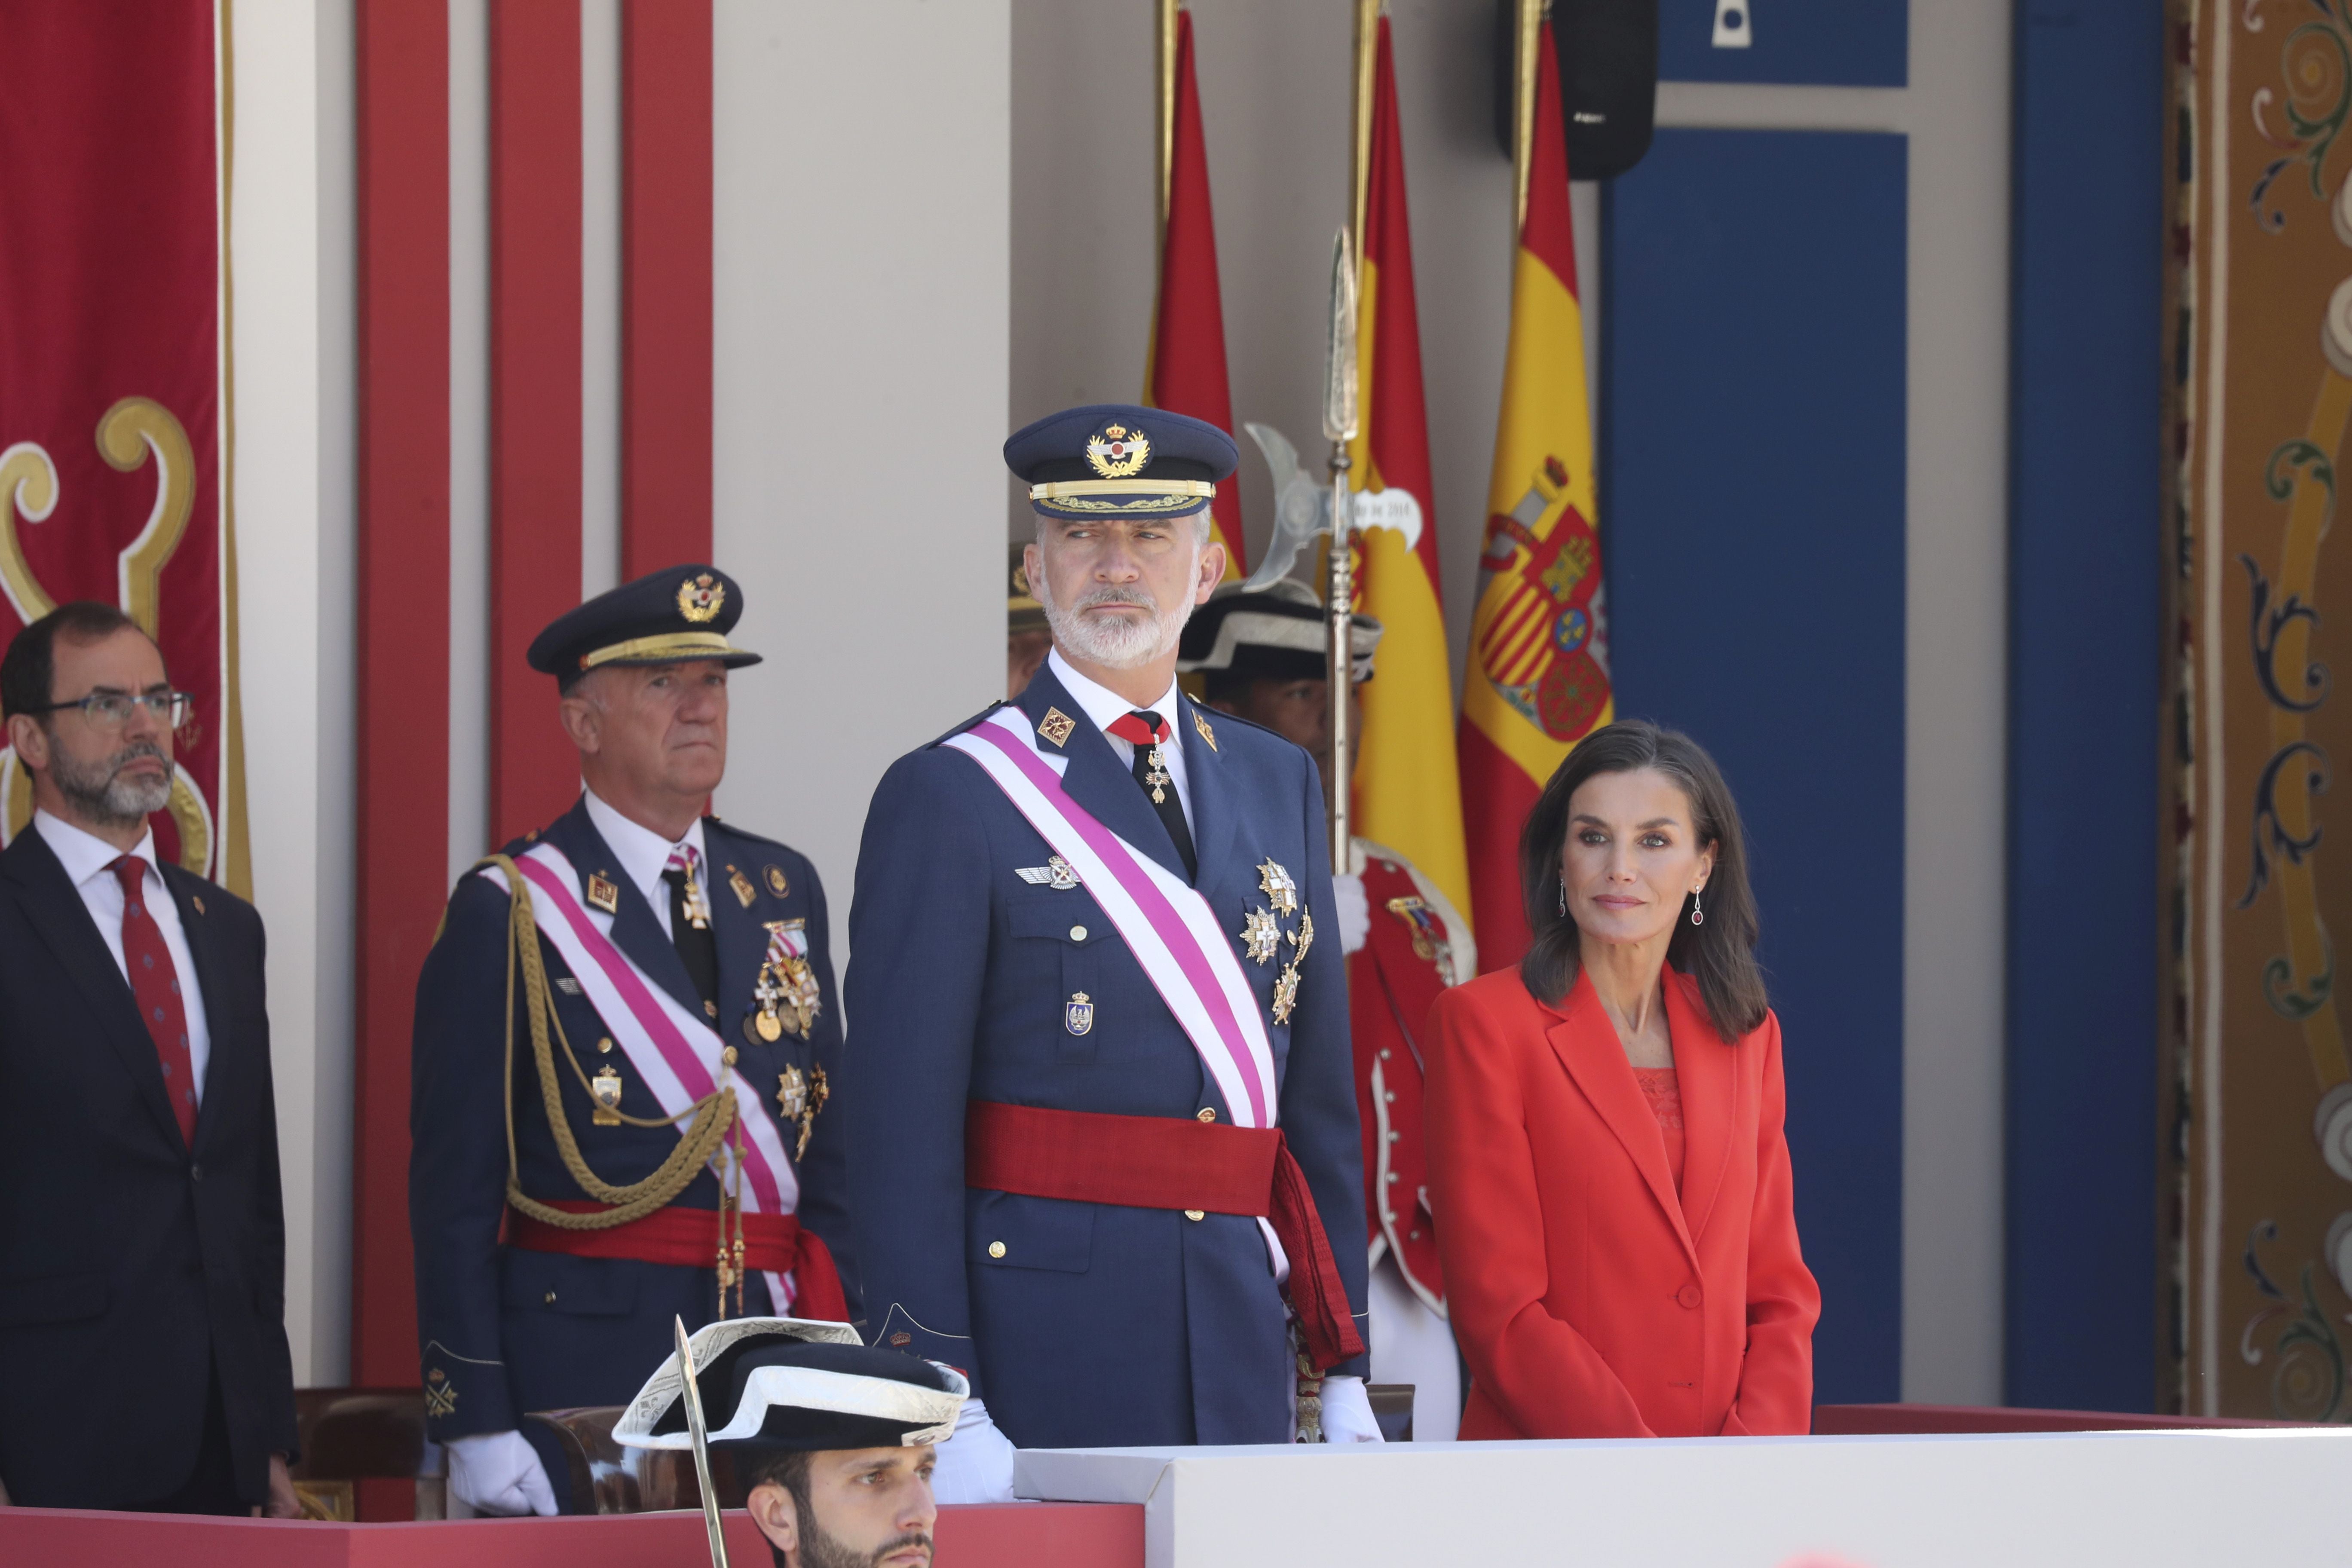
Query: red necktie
{"type": "Point", "coordinates": [1147, 731]}
{"type": "Point", "coordinates": [156, 987]}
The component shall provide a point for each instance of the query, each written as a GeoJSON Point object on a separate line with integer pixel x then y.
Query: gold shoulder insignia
{"type": "Point", "coordinates": [1057, 726]}
{"type": "Point", "coordinates": [1202, 725]}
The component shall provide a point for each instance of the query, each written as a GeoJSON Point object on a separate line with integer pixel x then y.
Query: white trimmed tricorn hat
{"type": "Point", "coordinates": [793, 1385]}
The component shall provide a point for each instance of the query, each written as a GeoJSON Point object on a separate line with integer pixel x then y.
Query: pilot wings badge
{"type": "Point", "coordinates": [1118, 452]}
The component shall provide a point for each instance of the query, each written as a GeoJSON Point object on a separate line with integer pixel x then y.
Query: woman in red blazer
{"type": "Point", "coordinates": [1604, 1126]}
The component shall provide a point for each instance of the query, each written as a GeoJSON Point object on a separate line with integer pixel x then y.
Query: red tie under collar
{"type": "Point", "coordinates": [1140, 728]}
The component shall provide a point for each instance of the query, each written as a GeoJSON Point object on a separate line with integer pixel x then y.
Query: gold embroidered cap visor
{"type": "Point", "coordinates": [669, 648]}
{"type": "Point", "coordinates": [1079, 498]}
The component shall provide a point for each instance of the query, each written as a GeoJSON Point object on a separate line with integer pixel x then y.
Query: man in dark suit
{"type": "Point", "coordinates": [1102, 1125]}
{"type": "Point", "coordinates": [143, 1361]}
{"type": "Point", "coordinates": [634, 1129]}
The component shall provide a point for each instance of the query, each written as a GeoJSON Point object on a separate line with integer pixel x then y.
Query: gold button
{"type": "Point", "coordinates": [996, 1249]}
{"type": "Point", "coordinates": [1394, 1136]}
{"type": "Point", "coordinates": [1389, 1095]}
{"type": "Point", "coordinates": [1384, 1053]}
{"type": "Point", "coordinates": [711, 1008]}
{"type": "Point", "coordinates": [604, 1044]}
{"type": "Point", "coordinates": [1196, 1214]}
{"type": "Point", "coordinates": [728, 1056]}
{"type": "Point", "coordinates": [1391, 1175]}
{"type": "Point", "coordinates": [1207, 1114]}
{"type": "Point", "coordinates": [550, 1297]}
{"type": "Point", "coordinates": [1078, 934]}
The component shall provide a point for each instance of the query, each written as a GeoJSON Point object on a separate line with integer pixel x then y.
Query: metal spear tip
{"type": "Point", "coordinates": [1340, 345]}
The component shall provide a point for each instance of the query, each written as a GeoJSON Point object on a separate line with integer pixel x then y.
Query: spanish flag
{"type": "Point", "coordinates": [1408, 794]}
{"type": "Point", "coordinates": [1186, 371]}
{"type": "Point", "coordinates": [1539, 640]}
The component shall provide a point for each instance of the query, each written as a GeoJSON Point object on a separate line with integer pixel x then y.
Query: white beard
{"type": "Point", "coordinates": [1117, 642]}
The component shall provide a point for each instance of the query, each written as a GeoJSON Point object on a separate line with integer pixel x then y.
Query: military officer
{"type": "Point", "coordinates": [1111, 1132]}
{"type": "Point", "coordinates": [620, 1079]}
{"type": "Point", "coordinates": [1264, 657]}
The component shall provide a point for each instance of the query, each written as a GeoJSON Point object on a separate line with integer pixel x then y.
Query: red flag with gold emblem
{"type": "Point", "coordinates": [1539, 642]}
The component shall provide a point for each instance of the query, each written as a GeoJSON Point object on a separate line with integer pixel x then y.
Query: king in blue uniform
{"type": "Point", "coordinates": [551, 1281]}
{"type": "Point", "coordinates": [985, 976]}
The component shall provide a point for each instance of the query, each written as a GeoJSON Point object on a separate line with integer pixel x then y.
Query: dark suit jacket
{"type": "Point", "coordinates": [131, 1265]}
{"type": "Point", "coordinates": [1591, 1299]}
{"type": "Point", "coordinates": [1091, 1325]}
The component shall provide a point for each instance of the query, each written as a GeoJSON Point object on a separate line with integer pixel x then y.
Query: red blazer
{"type": "Point", "coordinates": [1585, 1301]}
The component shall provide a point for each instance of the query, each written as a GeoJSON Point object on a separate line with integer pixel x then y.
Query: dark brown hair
{"type": "Point", "coordinates": [788, 1470]}
{"type": "Point", "coordinates": [29, 671]}
{"type": "Point", "coordinates": [1720, 955]}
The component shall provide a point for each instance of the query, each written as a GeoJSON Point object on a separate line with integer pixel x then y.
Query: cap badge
{"type": "Point", "coordinates": [700, 596]}
{"type": "Point", "coordinates": [1118, 452]}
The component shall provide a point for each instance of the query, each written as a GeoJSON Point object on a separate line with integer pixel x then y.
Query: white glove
{"type": "Point", "coordinates": [1347, 1412]}
{"type": "Point", "coordinates": [499, 1472]}
{"type": "Point", "coordinates": [975, 1463]}
{"type": "Point", "coordinates": [1355, 911]}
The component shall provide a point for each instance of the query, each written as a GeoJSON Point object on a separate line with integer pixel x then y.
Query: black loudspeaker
{"type": "Point", "coordinates": [1607, 55]}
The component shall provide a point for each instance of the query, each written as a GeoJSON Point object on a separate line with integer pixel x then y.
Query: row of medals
{"type": "Point", "coordinates": [789, 1002]}
{"type": "Point", "coordinates": [1262, 934]}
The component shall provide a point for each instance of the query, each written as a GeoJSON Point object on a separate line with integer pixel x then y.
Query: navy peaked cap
{"type": "Point", "coordinates": [1120, 460]}
{"type": "Point", "coordinates": [668, 616]}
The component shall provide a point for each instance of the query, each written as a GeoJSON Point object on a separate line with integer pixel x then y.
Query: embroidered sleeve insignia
{"type": "Point", "coordinates": [1057, 726]}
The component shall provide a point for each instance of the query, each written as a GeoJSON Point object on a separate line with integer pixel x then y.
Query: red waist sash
{"type": "Point", "coordinates": [1160, 1162]}
{"type": "Point", "coordinates": [688, 1239]}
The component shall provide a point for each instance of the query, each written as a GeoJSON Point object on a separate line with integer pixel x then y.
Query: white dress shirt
{"type": "Point", "coordinates": [87, 860]}
{"type": "Point", "coordinates": [1102, 705]}
{"type": "Point", "coordinates": [644, 855]}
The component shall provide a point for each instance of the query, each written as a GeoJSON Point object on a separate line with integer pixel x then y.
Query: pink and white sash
{"type": "Point", "coordinates": [1167, 925]}
{"type": "Point", "coordinates": [679, 1055]}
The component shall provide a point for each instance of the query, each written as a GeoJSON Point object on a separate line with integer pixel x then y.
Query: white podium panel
{"type": "Point", "coordinates": [2153, 1499]}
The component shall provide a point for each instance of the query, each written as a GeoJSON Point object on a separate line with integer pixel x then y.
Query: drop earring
{"type": "Point", "coordinates": [1698, 916]}
{"type": "Point", "coordinates": [1563, 895]}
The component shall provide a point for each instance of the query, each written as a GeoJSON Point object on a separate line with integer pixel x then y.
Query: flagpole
{"type": "Point", "coordinates": [1163, 67]}
{"type": "Point", "coordinates": [1360, 186]}
{"type": "Point", "coordinates": [1523, 103]}
{"type": "Point", "coordinates": [1339, 422]}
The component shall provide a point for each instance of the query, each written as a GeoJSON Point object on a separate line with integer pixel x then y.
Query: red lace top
{"type": "Point", "coordinates": [1663, 1090]}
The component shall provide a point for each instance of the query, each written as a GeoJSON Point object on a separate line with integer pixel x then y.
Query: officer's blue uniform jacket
{"type": "Point", "coordinates": [1098, 1325]}
{"type": "Point", "coordinates": [511, 1330]}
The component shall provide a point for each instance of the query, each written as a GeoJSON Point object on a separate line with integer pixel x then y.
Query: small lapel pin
{"type": "Point", "coordinates": [602, 894]}
{"type": "Point", "coordinates": [745, 894]}
{"type": "Point", "coordinates": [1057, 726]}
{"type": "Point", "coordinates": [197, 900]}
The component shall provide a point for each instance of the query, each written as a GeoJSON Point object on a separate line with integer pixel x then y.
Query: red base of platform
{"type": "Point", "coordinates": [1020, 1535]}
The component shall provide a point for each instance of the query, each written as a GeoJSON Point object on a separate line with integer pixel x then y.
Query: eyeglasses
{"type": "Point", "coordinates": [111, 709]}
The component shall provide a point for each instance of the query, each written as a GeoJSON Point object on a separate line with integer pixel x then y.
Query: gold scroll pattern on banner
{"type": "Point", "coordinates": [135, 432]}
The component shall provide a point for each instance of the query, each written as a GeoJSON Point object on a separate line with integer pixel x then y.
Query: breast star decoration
{"type": "Point", "coordinates": [1280, 890]}
{"type": "Point", "coordinates": [1261, 935]}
